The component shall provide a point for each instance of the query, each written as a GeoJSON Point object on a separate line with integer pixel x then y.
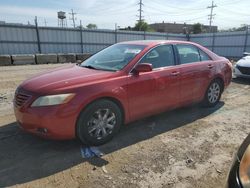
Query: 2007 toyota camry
{"type": "Point", "coordinates": [120, 84]}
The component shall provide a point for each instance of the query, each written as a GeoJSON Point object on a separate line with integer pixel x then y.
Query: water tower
{"type": "Point", "coordinates": [62, 22]}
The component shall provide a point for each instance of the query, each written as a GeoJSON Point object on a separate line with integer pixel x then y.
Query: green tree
{"type": "Point", "coordinates": [91, 26]}
{"type": "Point", "coordinates": [197, 28]}
{"type": "Point", "coordinates": [142, 26]}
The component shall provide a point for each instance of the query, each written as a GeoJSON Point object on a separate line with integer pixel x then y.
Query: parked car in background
{"type": "Point", "coordinates": [122, 83]}
{"type": "Point", "coordinates": [242, 67]}
{"type": "Point", "coordinates": [239, 175]}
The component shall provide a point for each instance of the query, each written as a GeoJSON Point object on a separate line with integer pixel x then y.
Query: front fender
{"type": "Point", "coordinates": [95, 92]}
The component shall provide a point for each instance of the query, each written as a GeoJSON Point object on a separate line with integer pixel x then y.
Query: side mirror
{"type": "Point", "coordinates": [143, 67]}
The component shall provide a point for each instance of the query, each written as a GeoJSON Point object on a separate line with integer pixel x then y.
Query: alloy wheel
{"type": "Point", "coordinates": [102, 123]}
{"type": "Point", "coordinates": [214, 92]}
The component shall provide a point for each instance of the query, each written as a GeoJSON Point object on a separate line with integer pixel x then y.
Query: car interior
{"type": "Point", "coordinates": [161, 56]}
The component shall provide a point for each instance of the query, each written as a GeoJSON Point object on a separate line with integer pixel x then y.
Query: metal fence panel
{"type": "Point", "coordinates": [17, 39]}
{"type": "Point", "coordinates": [93, 48]}
{"type": "Point", "coordinates": [101, 36]}
{"type": "Point", "coordinates": [18, 48]}
{"type": "Point", "coordinates": [205, 39]}
{"type": "Point", "coordinates": [59, 35]}
{"type": "Point", "coordinates": [20, 39]}
{"type": "Point", "coordinates": [129, 35]}
{"type": "Point", "coordinates": [229, 51]}
{"type": "Point", "coordinates": [60, 48]}
{"type": "Point", "coordinates": [229, 40]}
{"type": "Point", "coordinates": [247, 38]}
{"type": "Point", "coordinates": [228, 44]}
{"type": "Point", "coordinates": [247, 49]}
{"type": "Point", "coordinates": [155, 36]}
{"type": "Point", "coordinates": [17, 34]}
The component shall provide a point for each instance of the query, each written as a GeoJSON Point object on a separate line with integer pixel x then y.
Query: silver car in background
{"type": "Point", "coordinates": [242, 67]}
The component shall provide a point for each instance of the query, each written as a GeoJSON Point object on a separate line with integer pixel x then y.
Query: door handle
{"type": "Point", "coordinates": [210, 66]}
{"type": "Point", "coordinates": [175, 73]}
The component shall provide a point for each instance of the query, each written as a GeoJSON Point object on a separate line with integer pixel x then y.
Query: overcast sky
{"type": "Point", "coordinates": [105, 13]}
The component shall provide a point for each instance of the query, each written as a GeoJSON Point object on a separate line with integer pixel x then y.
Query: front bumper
{"type": "Point", "coordinates": [53, 122]}
{"type": "Point", "coordinates": [237, 73]}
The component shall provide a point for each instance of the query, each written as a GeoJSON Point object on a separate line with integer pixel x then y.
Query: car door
{"type": "Point", "coordinates": [141, 92]}
{"type": "Point", "coordinates": [196, 70]}
{"type": "Point", "coordinates": [155, 91]}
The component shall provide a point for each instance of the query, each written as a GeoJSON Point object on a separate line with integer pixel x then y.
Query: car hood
{"type": "Point", "coordinates": [64, 77]}
{"type": "Point", "coordinates": [244, 62]}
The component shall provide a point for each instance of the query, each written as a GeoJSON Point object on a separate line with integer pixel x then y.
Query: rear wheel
{"type": "Point", "coordinates": [213, 94]}
{"type": "Point", "coordinates": [99, 122]}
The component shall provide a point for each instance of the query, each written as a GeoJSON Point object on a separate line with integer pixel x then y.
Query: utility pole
{"type": "Point", "coordinates": [81, 36]}
{"type": "Point", "coordinates": [80, 23]}
{"type": "Point", "coordinates": [36, 23]}
{"type": "Point", "coordinates": [140, 11]}
{"type": "Point", "coordinates": [140, 14]}
{"type": "Point", "coordinates": [45, 23]}
{"type": "Point", "coordinates": [73, 18]}
{"type": "Point", "coordinates": [211, 15]}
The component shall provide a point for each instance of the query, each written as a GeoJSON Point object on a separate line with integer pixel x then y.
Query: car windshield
{"type": "Point", "coordinates": [113, 58]}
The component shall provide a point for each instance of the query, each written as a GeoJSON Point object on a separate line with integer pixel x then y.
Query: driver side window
{"type": "Point", "coordinates": [161, 56]}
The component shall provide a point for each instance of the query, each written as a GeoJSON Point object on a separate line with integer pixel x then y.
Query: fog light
{"type": "Point", "coordinates": [42, 130]}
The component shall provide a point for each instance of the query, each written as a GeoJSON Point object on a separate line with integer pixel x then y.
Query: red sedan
{"type": "Point", "coordinates": [122, 83]}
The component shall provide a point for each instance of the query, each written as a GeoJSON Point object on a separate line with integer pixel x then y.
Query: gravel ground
{"type": "Point", "coordinates": [188, 147]}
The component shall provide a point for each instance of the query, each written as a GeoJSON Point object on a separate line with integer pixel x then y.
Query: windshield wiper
{"type": "Point", "coordinates": [89, 67]}
{"type": "Point", "coordinates": [95, 68]}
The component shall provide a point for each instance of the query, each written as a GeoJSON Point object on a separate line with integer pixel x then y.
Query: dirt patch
{"type": "Point", "coordinates": [188, 147]}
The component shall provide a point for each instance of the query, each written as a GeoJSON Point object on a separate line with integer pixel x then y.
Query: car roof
{"type": "Point", "coordinates": [156, 42]}
{"type": "Point", "coordinates": [153, 43]}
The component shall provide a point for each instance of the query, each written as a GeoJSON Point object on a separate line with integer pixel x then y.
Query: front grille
{"type": "Point", "coordinates": [244, 70]}
{"type": "Point", "coordinates": [21, 99]}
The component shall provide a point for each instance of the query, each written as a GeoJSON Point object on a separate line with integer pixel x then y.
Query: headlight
{"type": "Point", "coordinates": [50, 100]}
{"type": "Point", "coordinates": [244, 171]}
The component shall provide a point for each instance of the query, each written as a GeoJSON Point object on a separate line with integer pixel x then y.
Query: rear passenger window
{"type": "Point", "coordinates": [188, 54]}
{"type": "Point", "coordinates": [204, 56]}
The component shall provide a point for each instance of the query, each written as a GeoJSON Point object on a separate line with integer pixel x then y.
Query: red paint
{"type": "Point", "coordinates": [140, 95]}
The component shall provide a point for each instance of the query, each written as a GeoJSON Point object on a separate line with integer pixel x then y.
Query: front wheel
{"type": "Point", "coordinates": [213, 94]}
{"type": "Point", "coordinates": [99, 122]}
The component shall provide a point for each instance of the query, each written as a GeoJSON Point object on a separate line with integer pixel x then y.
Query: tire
{"type": "Point", "coordinates": [213, 94]}
{"type": "Point", "coordinates": [99, 122]}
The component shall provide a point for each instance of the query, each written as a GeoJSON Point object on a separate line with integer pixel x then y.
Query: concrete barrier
{"type": "Point", "coordinates": [23, 59]}
{"type": "Point", "coordinates": [46, 58]}
{"type": "Point", "coordinates": [82, 57]}
{"type": "Point", "coordinates": [66, 58]}
{"type": "Point", "coordinates": [5, 60]}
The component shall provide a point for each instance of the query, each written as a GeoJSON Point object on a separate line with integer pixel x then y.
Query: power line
{"type": "Point", "coordinates": [235, 12]}
{"type": "Point", "coordinates": [183, 12]}
{"type": "Point", "coordinates": [229, 3]}
{"type": "Point", "coordinates": [169, 5]}
{"type": "Point", "coordinates": [111, 9]}
{"type": "Point", "coordinates": [211, 16]}
{"type": "Point", "coordinates": [154, 11]}
{"type": "Point", "coordinates": [73, 18]}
